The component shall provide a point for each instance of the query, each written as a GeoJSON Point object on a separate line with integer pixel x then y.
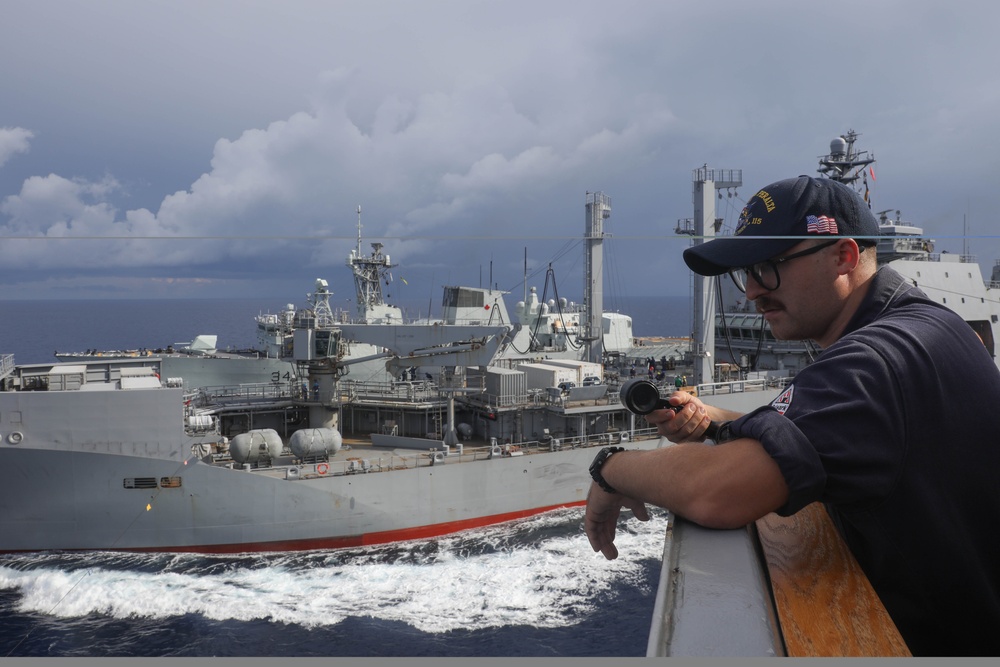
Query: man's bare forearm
{"type": "Point", "coordinates": [719, 486]}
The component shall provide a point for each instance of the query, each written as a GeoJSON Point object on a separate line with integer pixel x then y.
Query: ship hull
{"type": "Point", "coordinates": [229, 510]}
{"type": "Point", "coordinates": [113, 470]}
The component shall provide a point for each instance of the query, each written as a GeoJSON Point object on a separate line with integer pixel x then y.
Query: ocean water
{"type": "Point", "coordinates": [530, 588]}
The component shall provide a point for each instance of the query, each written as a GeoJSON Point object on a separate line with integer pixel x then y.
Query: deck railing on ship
{"type": "Point", "coordinates": [245, 394]}
{"type": "Point", "coordinates": [413, 391]}
{"type": "Point", "coordinates": [418, 393]}
{"type": "Point", "coordinates": [782, 586]}
{"type": "Point", "coordinates": [365, 462]}
{"type": "Point", "coordinates": [740, 386]}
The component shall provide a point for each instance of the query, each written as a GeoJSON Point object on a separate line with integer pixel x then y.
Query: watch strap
{"type": "Point", "coordinates": [599, 461]}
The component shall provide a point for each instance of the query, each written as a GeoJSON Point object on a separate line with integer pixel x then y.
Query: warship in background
{"type": "Point", "coordinates": [379, 344]}
{"type": "Point", "coordinates": [542, 328]}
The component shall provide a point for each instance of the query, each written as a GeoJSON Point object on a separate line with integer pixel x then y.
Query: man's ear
{"type": "Point", "coordinates": [848, 256]}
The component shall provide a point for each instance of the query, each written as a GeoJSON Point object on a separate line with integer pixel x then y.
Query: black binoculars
{"type": "Point", "coordinates": [642, 397]}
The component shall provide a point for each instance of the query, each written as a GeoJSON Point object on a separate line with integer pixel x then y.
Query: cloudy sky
{"type": "Point", "coordinates": [201, 148]}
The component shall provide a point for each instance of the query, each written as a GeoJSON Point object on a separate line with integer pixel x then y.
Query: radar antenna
{"type": "Point", "coordinates": [844, 163]}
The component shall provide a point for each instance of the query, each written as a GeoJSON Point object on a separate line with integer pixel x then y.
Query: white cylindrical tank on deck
{"type": "Point", "coordinates": [256, 445]}
{"type": "Point", "coordinates": [309, 442]}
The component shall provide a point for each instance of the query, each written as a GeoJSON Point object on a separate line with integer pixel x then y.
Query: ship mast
{"type": "Point", "coordinates": [320, 301]}
{"type": "Point", "coordinates": [705, 226]}
{"type": "Point", "coordinates": [369, 272]}
{"type": "Point", "coordinates": [845, 164]}
{"type": "Point", "coordinates": [598, 210]}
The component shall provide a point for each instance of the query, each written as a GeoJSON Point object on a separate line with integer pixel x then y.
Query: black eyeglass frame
{"type": "Point", "coordinates": [738, 273]}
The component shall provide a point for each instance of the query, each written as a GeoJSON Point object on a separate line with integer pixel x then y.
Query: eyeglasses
{"type": "Point", "coordinates": [766, 272]}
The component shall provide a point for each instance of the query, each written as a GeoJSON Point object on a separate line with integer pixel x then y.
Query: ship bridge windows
{"type": "Point", "coordinates": [325, 343]}
{"type": "Point", "coordinates": [458, 297]}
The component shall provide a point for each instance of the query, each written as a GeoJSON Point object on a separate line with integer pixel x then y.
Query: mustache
{"type": "Point", "coordinates": [765, 303]}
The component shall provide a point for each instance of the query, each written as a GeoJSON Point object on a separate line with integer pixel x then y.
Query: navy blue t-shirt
{"type": "Point", "coordinates": [896, 428]}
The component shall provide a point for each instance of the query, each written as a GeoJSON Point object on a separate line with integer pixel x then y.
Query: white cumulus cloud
{"type": "Point", "coordinates": [14, 140]}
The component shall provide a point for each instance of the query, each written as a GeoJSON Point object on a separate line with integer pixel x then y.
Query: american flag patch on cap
{"type": "Point", "coordinates": [820, 225]}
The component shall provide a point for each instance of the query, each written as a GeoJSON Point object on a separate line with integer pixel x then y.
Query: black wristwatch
{"type": "Point", "coordinates": [599, 461]}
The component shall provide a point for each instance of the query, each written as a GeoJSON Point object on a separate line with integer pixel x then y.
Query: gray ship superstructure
{"type": "Point", "coordinates": [543, 327]}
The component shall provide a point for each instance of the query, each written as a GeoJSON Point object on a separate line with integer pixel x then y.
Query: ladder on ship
{"type": "Point", "coordinates": [437, 421]}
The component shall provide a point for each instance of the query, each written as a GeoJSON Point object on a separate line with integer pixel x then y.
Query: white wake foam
{"type": "Point", "coordinates": [548, 583]}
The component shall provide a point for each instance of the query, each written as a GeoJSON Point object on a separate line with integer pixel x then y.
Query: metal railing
{"type": "Point", "coordinates": [740, 386]}
{"type": "Point", "coordinates": [247, 393]}
{"type": "Point", "coordinates": [389, 462]}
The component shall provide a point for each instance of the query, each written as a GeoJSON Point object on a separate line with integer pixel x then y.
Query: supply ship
{"type": "Point", "coordinates": [122, 452]}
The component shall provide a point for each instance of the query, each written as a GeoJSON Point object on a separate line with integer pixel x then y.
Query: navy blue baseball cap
{"type": "Point", "coordinates": [782, 215]}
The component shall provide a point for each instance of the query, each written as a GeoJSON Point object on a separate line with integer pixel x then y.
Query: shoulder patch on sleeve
{"type": "Point", "coordinates": [784, 401]}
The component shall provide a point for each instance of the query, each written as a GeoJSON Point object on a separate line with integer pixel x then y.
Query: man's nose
{"type": "Point", "coordinates": [753, 288]}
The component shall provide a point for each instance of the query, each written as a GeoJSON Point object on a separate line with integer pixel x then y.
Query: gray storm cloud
{"type": "Point", "coordinates": [212, 141]}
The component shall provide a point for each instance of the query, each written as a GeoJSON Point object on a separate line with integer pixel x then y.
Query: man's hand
{"type": "Point", "coordinates": [687, 425]}
{"type": "Point", "coordinates": [601, 518]}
